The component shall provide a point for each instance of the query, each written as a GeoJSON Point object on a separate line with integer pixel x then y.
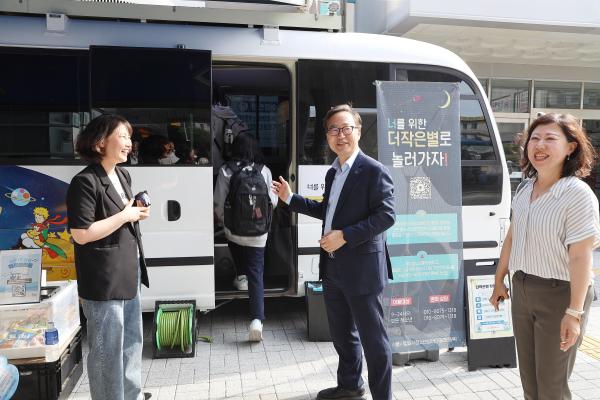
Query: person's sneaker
{"type": "Point", "coordinates": [241, 282]}
{"type": "Point", "coordinates": [255, 330]}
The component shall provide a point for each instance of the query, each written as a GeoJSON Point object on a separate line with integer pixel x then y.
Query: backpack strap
{"type": "Point", "coordinates": [234, 167]}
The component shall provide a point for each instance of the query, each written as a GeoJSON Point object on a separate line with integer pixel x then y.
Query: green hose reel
{"type": "Point", "coordinates": [174, 331]}
{"type": "Point", "coordinates": [174, 328]}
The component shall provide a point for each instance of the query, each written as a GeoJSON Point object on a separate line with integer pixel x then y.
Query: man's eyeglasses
{"type": "Point", "coordinates": [346, 130]}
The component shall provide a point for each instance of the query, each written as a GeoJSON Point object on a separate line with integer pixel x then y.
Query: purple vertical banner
{"type": "Point", "coordinates": [419, 141]}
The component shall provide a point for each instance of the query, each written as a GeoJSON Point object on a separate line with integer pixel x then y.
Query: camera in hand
{"type": "Point", "coordinates": [142, 199]}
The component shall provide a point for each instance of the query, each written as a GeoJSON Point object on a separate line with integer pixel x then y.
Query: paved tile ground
{"type": "Point", "coordinates": [287, 366]}
{"type": "Point", "coordinates": [591, 347]}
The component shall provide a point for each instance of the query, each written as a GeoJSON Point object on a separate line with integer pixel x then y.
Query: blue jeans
{"type": "Point", "coordinates": [115, 338]}
{"type": "Point", "coordinates": [250, 261]}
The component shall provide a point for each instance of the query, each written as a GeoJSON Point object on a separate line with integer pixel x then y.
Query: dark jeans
{"type": "Point", "coordinates": [355, 321]}
{"type": "Point", "coordinates": [250, 261]}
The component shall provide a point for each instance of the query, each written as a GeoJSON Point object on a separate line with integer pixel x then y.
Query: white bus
{"type": "Point", "coordinates": [165, 79]}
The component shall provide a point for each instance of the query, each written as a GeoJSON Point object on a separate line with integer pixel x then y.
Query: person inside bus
{"type": "Point", "coordinates": [248, 252]}
{"type": "Point", "coordinates": [555, 227]}
{"type": "Point", "coordinates": [152, 149]}
{"type": "Point", "coordinates": [357, 209]}
{"type": "Point", "coordinates": [191, 156]}
{"type": "Point", "coordinates": [109, 259]}
{"type": "Point", "coordinates": [168, 156]}
{"type": "Point", "coordinates": [133, 158]}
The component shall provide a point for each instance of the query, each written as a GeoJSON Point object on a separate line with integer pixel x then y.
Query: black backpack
{"type": "Point", "coordinates": [248, 207]}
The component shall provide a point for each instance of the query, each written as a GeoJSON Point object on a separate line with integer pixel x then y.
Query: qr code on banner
{"type": "Point", "coordinates": [18, 291]}
{"type": "Point", "coordinates": [420, 188]}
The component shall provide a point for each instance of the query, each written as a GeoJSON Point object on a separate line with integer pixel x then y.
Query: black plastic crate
{"type": "Point", "coordinates": [50, 380]}
{"type": "Point", "coordinates": [167, 352]}
{"type": "Point", "coordinates": [316, 313]}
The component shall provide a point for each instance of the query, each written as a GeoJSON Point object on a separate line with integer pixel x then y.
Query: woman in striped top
{"type": "Point", "coordinates": [548, 248]}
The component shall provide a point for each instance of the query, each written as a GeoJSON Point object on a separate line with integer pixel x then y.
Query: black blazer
{"type": "Point", "coordinates": [107, 268]}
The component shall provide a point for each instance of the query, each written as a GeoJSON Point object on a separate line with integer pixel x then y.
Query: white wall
{"type": "Point", "coordinates": [377, 16]}
{"type": "Point", "coordinates": [582, 13]}
{"type": "Point", "coordinates": [399, 16]}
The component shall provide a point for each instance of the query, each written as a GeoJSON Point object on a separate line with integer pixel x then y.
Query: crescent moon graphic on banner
{"type": "Point", "coordinates": [448, 99]}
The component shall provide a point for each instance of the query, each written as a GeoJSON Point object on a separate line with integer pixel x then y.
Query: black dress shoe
{"type": "Point", "coordinates": [147, 395]}
{"type": "Point", "coordinates": [338, 393]}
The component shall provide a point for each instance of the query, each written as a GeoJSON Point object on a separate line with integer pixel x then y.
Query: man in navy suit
{"type": "Point", "coordinates": [357, 208]}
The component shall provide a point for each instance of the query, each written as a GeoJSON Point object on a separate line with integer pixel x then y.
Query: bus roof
{"type": "Point", "coordinates": [225, 41]}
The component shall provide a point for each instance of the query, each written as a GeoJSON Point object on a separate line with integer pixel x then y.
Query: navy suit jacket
{"type": "Point", "coordinates": [365, 210]}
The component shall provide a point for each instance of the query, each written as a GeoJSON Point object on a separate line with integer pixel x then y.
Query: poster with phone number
{"type": "Point", "coordinates": [419, 141]}
{"type": "Point", "coordinates": [484, 321]}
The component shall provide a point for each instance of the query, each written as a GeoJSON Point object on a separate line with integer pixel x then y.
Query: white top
{"type": "Point", "coordinates": [341, 173]}
{"type": "Point", "coordinates": [220, 195]}
{"type": "Point", "coordinates": [114, 179]}
{"type": "Point", "coordinates": [543, 229]}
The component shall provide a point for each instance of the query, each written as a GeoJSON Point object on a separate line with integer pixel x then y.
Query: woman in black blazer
{"type": "Point", "coordinates": [109, 259]}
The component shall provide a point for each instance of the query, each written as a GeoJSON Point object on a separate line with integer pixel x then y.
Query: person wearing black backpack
{"type": "Point", "coordinates": [243, 203]}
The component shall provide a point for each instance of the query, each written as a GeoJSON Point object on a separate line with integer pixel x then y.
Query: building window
{"type": "Point", "coordinates": [510, 95]}
{"type": "Point", "coordinates": [591, 96]}
{"type": "Point", "coordinates": [592, 127]}
{"type": "Point", "coordinates": [484, 84]}
{"type": "Point", "coordinates": [557, 94]}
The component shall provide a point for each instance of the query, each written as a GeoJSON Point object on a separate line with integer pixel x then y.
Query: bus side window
{"type": "Point", "coordinates": [164, 94]}
{"type": "Point", "coordinates": [323, 84]}
{"type": "Point", "coordinates": [481, 167]}
{"type": "Point", "coordinates": [42, 109]}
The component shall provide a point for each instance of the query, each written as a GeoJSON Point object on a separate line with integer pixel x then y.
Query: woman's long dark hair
{"type": "Point", "coordinates": [245, 148]}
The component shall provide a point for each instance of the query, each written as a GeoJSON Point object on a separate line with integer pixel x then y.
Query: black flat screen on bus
{"type": "Point", "coordinates": [43, 80]}
{"type": "Point", "coordinates": [136, 77]}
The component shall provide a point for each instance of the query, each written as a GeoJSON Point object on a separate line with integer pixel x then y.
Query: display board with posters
{"type": "Point", "coordinates": [20, 276]}
{"type": "Point", "coordinates": [484, 321]}
{"type": "Point", "coordinates": [490, 339]}
{"type": "Point", "coordinates": [419, 141]}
